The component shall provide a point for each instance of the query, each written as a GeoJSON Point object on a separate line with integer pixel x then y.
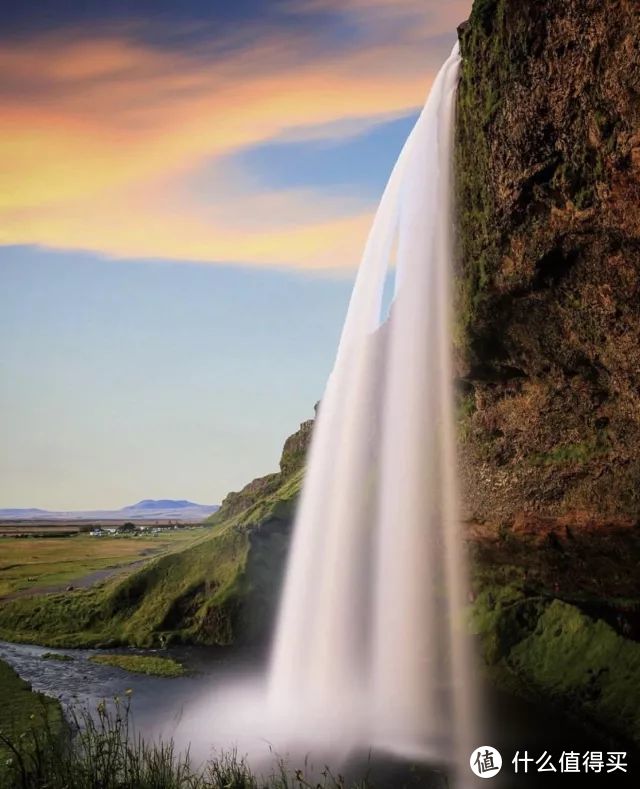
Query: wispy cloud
{"type": "Point", "coordinates": [99, 135]}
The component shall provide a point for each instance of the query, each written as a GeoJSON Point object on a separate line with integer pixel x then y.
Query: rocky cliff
{"type": "Point", "coordinates": [548, 166]}
{"type": "Point", "coordinates": [547, 344]}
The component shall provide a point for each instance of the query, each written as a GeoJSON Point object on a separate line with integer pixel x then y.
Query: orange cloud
{"type": "Point", "coordinates": [296, 228]}
{"type": "Point", "coordinates": [98, 136]}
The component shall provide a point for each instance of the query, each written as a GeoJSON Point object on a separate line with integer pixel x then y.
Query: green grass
{"type": "Point", "coordinates": [22, 712]}
{"type": "Point", "coordinates": [142, 664]}
{"type": "Point", "coordinates": [194, 593]}
{"type": "Point", "coordinates": [465, 408]}
{"type": "Point", "coordinates": [31, 563]}
{"type": "Point", "coordinates": [103, 753]}
{"type": "Point", "coordinates": [278, 503]}
{"type": "Point", "coordinates": [187, 594]}
{"type": "Point", "coordinates": [215, 586]}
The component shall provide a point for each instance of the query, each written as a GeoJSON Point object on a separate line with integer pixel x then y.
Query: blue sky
{"type": "Point", "coordinates": [152, 379]}
{"type": "Point", "coordinates": [186, 191]}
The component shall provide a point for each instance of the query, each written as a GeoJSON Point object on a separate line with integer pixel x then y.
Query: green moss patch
{"type": "Point", "coordinates": [142, 664]}
{"type": "Point", "coordinates": [489, 67]}
{"type": "Point", "coordinates": [562, 656]}
{"type": "Point", "coordinates": [572, 656]}
{"type": "Point", "coordinates": [57, 656]}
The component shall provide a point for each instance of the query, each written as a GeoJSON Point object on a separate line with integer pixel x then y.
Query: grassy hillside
{"type": "Point", "coordinates": [221, 589]}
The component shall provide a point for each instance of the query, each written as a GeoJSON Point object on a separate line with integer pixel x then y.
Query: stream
{"type": "Point", "coordinates": [158, 705]}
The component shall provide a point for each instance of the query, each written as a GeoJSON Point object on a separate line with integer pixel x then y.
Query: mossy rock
{"type": "Point", "coordinates": [562, 657]}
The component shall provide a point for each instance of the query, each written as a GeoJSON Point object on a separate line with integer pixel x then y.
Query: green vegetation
{"type": "Point", "coordinates": [142, 664]}
{"type": "Point", "coordinates": [481, 97]}
{"type": "Point", "coordinates": [57, 656]}
{"type": "Point", "coordinates": [278, 503]}
{"type": "Point", "coordinates": [194, 595]}
{"type": "Point", "coordinates": [592, 446]}
{"type": "Point", "coordinates": [23, 711]}
{"type": "Point", "coordinates": [175, 591]}
{"type": "Point", "coordinates": [515, 166]}
{"type": "Point", "coordinates": [466, 407]}
{"type": "Point", "coordinates": [583, 661]}
{"type": "Point", "coordinates": [103, 753]}
{"type": "Point", "coordinates": [556, 612]}
{"type": "Point", "coordinates": [30, 563]}
{"type": "Point", "coordinates": [216, 586]}
{"type": "Point", "coordinates": [568, 453]}
{"type": "Point", "coordinates": [549, 649]}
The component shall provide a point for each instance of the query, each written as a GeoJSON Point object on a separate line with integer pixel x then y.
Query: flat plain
{"type": "Point", "coordinates": [39, 564]}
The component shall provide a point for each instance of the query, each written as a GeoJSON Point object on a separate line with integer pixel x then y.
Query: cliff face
{"type": "Point", "coordinates": [548, 177]}
{"type": "Point", "coordinates": [548, 347]}
{"type": "Point", "coordinates": [262, 488]}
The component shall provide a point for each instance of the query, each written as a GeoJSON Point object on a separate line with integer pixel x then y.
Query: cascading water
{"type": "Point", "coordinates": [370, 646]}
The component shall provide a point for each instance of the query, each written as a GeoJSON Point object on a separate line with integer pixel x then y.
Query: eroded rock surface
{"type": "Point", "coordinates": [548, 172]}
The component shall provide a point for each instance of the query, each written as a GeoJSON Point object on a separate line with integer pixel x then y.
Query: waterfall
{"type": "Point", "coordinates": [370, 647]}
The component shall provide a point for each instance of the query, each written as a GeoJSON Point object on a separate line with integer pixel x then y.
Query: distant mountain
{"type": "Point", "coordinates": [164, 504]}
{"type": "Point", "coordinates": [147, 509]}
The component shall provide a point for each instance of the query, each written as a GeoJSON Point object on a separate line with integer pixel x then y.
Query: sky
{"type": "Point", "coordinates": [185, 191]}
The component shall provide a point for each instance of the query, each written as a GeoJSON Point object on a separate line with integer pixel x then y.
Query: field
{"type": "Point", "coordinates": [31, 565]}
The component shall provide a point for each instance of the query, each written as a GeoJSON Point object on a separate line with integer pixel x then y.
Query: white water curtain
{"type": "Point", "coordinates": [369, 646]}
